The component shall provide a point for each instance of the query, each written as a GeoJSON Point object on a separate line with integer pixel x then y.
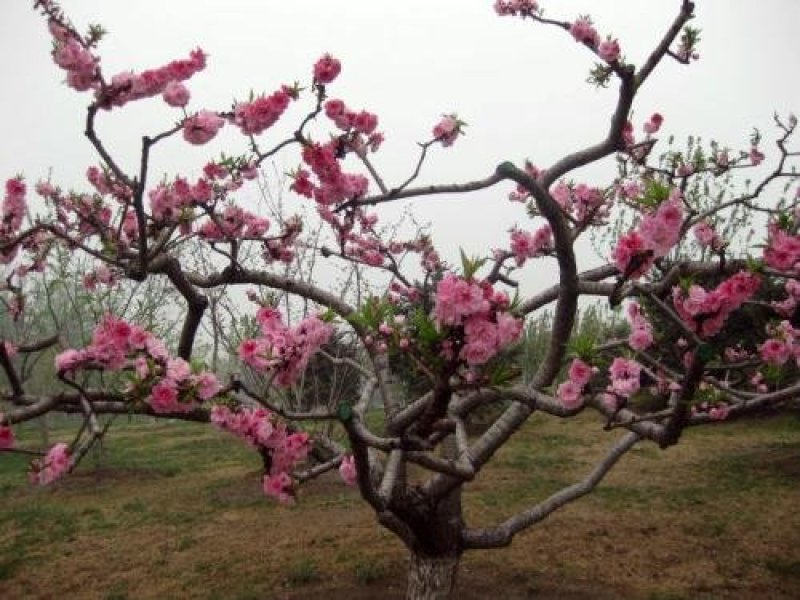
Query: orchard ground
{"type": "Point", "coordinates": [180, 514]}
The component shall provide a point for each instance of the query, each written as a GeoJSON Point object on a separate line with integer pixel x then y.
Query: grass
{"type": "Point", "coordinates": [302, 572]}
{"type": "Point", "coordinates": [175, 510]}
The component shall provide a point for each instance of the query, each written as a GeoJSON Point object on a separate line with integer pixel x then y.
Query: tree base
{"type": "Point", "coordinates": [431, 577]}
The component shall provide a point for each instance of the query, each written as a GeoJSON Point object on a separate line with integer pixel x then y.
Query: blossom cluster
{"type": "Point", "coordinates": [653, 124]}
{"type": "Point", "coordinates": [706, 236]}
{"type": "Point", "coordinates": [783, 344]}
{"type": "Point", "coordinates": [11, 216]}
{"type": "Point", "coordinates": [282, 350]}
{"type": "Point", "coordinates": [7, 438]}
{"type": "Point", "coordinates": [129, 86]}
{"type": "Point", "coordinates": [657, 233]}
{"type": "Point", "coordinates": [525, 245]}
{"type": "Point", "coordinates": [102, 275]}
{"type": "Point", "coordinates": [261, 429]}
{"type": "Point", "coordinates": [521, 193]}
{"type": "Point", "coordinates": [641, 336]}
{"type": "Point", "coordinates": [202, 127]}
{"type": "Point", "coordinates": [170, 203]}
{"type": "Point", "coordinates": [584, 203]}
{"type": "Point", "coordinates": [334, 184]}
{"type": "Point", "coordinates": [786, 307]}
{"type": "Point", "coordinates": [578, 375]}
{"type": "Point", "coordinates": [326, 69]}
{"type": "Point", "coordinates": [624, 374]}
{"type": "Point", "coordinates": [582, 29]}
{"type": "Point", "coordinates": [345, 119]}
{"type": "Point", "coordinates": [257, 115]}
{"type": "Point", "coordinates": [167, 384]}
{"type": "Point", "coordinates": [783, 249]}
{"type": "Point", "coordinates": [347, 470]}
{"type": "Point", "coordinates": [513, 8]}
{"type": "Point", "coordinates": [448, 129]}
{"type": "Point", "coordinates": [705, 312]}
{"type": "Point", "coordinates": [716, 411]}
{"type": "Point", "coordinates": [72, 56]}
{"type": "Point", "coordinates": [234, 222]}
{"type": "Point", "coordinates": [650, 127]}
{"type": "Point", "coordinates": [480, 312]}
{"type": "Point", "coordinates": [56, 463]}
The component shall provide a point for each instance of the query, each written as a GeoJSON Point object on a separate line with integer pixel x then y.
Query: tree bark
{"type": "Point", "coordinates": [432, 577]}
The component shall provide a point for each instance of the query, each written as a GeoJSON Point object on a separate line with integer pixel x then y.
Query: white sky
{"type": "Point", "coordinates": [520, 87]}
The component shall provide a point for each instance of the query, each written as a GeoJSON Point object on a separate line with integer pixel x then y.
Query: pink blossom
{"type": "Point", "coordinates": [579, 372]}
{"type": "Point", "coordinates": [641, 336]}
{"type": "Point", "coordinates": [202, 127]}
{"type": "Point", "coordinates": [478, 351]}
{"type": "Point", "coordinates": [509, 329]}
{"type": "Point", "coordinates": [326, 69]}
{"type": "Point", "coordinates": [609, 50]}
{"type": "Point", "coordinates": [10, 348]}
{"type": "Point", "coordinates": [719, 412]}
{"type": "Point", "coordinates": [583, 31]}
{"type": "Point", "coordinates": [141, 367]}
{"type": "Point", "coordinates": [283, 350]}
{"type": "Point", "coordinates": [347, 470]}
{"type": "Point", "coordinates": [178, 369]}
{"type": "Point", "coordinates": [775, 352]}
{"type": "Point", "coordinates": [256, 116]}
{"type": "Point", "coordinates": [279, 486]}
{"type": "Point", "coordinates": [128, 86]}
{"type": "Point", "coordinates": [569, 392]}
{"type": "Point", "coordinates": [627, 134]}
{"type": "Point", "coordinates": [654, 124]}
{"type": "Point", "coordinates": [706, 312]}
{"type": "Point", "coordinates": [523, 8]}
{"type": "Point", "coordinates": [456, 299]}
{"type": "Point", "coordinates": [640, 339]}
{"type": "Point", "coordinates": [53, 466]}
{"type": "Point", "coordinates": [335, 109]}
{"type": "Point", "coordinates": [365, 122]}
{"type": "Point", "coordinates": [624, 374]}
{"type": "Point", "coordinates": [525, 245]}
{"type": "Point", "coordinates": [164, 398]}
{"type": "Point", "coordinates": [783, 250]}
{"type": "Point", "coordinates": [447, 130]}
{"type": "Point", "coordinates": [662, 228]}
{"type": "Point", "coordinates": [630, 255]}
{"type": "Point", "coordinates": [756, 157]}
{"type": "Point", "coordinates": [704, 234]}
{"type": "Point", "coordinates": [78, 62]}
{"type": "Point", "coordinates": [176, 94]}
{"type": "Point", "coordinates": [13, 208]}
{"type": "Point", "coordinates": [7, 439]}
{"type": "Point", "coordinates": [68, 360]}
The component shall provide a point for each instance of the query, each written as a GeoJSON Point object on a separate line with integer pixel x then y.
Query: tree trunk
{"type": "Point", "coordinates": [431, 577]}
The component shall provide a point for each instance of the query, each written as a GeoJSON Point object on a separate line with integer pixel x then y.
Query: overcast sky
{"type": "Point", "coordinates": [520, 87]}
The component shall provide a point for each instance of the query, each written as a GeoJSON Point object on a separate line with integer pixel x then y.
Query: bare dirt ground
{"type": "Point", "coordinates": [179, 514]}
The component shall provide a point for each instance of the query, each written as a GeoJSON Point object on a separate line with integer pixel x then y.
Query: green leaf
{"type": "Point", "coordinates": [503, 374]}
{"type": "Point", "coordinates": [655, 193]}
{"type": "Point", "coordinates": [426, 329]}
{"type": "Point", "coordinates": [773, 374]}
{"type": "Point", "coordinates": [470, 266]}
{"type": "Point", "coordinates": [583, 347]}
{"type": "Point", "coordinates": [345, 412]}
{"type": "Point", "coordinates": [328, 316]}
{"type": "Point", "coordinates": [705, 352]}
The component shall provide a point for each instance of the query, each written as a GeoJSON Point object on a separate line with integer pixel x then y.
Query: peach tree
{"type": "Point", "coordinates": [670, 265]}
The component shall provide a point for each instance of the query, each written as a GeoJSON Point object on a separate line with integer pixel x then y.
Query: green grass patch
{"type": "Point", "coordinates": [302, 572]}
